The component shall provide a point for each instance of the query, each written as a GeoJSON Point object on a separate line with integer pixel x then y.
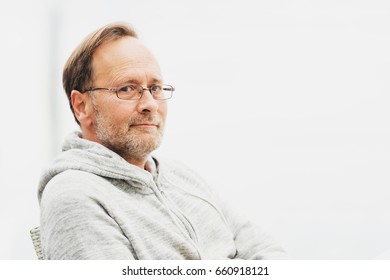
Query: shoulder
{"type": "Point", "coordinates": [177, 168]}
{"type": "Point", "coordinates": [74, 186]}
{"type": "Point", "coordinates": [179, 174]}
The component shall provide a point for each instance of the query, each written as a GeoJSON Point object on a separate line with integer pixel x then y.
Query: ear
{"type": "Point", "coordinates": [81, 104]}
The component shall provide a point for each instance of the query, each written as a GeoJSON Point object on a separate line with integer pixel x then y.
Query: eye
{"type": "Point", "coordinates": [129, 92]}
{"type": "Point", "coordinates": [155, 88]}
{"type": "Point", "coordinates": [128, 89]}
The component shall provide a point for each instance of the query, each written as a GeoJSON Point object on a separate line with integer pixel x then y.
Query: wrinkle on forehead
{"type": "Point", "coordinates": [122, 59]}
{"type": "Point", "coordinates": [136, 76]}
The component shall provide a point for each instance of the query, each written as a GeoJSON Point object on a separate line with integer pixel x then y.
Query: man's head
{"type": "Point", "coordinates": [107, 60]}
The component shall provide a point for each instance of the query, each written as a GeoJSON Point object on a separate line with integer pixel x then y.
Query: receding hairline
{"type": "Point", "coordinates": [88, 46]}
{"type": "Point", "coordinates": [77, 70]}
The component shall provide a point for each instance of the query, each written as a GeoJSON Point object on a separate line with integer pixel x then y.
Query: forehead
{"type": "Point", "coordinates": [124, 58]}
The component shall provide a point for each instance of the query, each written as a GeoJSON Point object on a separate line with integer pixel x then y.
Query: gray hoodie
{"type": "Point", "coordinates": [95, 205]}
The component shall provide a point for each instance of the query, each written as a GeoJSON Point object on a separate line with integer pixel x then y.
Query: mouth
{"type": "Point", "coordinates": [144, 125]}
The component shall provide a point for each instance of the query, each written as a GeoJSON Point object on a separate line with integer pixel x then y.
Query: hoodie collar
{"type": "Point", "coordinates": [92, 157]}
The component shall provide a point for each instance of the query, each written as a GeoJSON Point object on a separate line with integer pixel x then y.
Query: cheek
{"type": "Point", "coordinates": [163, 109]}
{"type": "Point", "coordinates": [119, 111]}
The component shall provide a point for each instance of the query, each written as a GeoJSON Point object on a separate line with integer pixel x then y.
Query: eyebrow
{"type": "Point", "coordinates": [132, 81]}
{"type": "Point", "coordinates": [137, 81]}
{"type": "Point", "coordinates": [156, 81]}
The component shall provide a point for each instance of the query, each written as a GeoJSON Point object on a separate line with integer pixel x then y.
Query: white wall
{"type": "Point", "coordinates": [281, 105]}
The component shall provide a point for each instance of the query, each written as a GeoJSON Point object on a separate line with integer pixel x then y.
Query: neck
{"type": "Point", "coordinates": [140, 162]}
{"type": "Point", "coordinates": [137, 158]}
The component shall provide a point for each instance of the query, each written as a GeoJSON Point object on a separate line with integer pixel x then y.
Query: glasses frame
{"type": "Point", "coordinates": [142, 89]}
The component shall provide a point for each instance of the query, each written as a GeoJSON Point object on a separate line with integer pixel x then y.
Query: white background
{"type": "Point", "coordinates": [282, 106]}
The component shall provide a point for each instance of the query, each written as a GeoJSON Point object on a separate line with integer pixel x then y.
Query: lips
{"type": "Point", "coordinates": [144, 124]}
{"type": "Point", "coordinates": [150, 121]}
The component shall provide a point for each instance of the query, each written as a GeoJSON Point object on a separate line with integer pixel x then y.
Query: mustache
{"type": "Point", "coordinates": [151, 119]}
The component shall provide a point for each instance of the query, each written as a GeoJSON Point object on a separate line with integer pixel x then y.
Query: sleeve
{"type": "Point", "coordinates": [76, 223]}
{"type": "Point", "coordinates": [252, 242]}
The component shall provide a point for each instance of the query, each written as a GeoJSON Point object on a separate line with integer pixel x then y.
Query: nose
{"type": "Point", "coordinates": [147, 103]}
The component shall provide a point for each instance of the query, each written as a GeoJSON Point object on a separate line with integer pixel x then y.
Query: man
{"type": "Point", "coordinates": [106, 197]}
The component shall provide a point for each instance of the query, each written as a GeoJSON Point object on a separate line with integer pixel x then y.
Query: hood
{"type": "Point", "coordinates": [92, 157]}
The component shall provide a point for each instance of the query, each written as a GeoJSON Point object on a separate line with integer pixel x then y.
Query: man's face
{"type": "Point", "coordinates": [131, 128]}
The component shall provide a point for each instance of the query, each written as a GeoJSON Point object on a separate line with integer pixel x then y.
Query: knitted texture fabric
{"type": "Point", "coordinates": [95, 205]}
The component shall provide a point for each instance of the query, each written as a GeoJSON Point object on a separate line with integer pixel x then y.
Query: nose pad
{"type": "Point", "coordinates": [142, 92]}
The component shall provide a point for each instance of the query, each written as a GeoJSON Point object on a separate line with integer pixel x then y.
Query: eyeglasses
{"type": "Point", "coordinates": [134, 91]}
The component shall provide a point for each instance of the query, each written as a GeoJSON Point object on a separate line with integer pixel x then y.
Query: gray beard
{"type": "Point", "coordinates": [127, 144]}
{"type": "Point", "coordinates": [131, 148]}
